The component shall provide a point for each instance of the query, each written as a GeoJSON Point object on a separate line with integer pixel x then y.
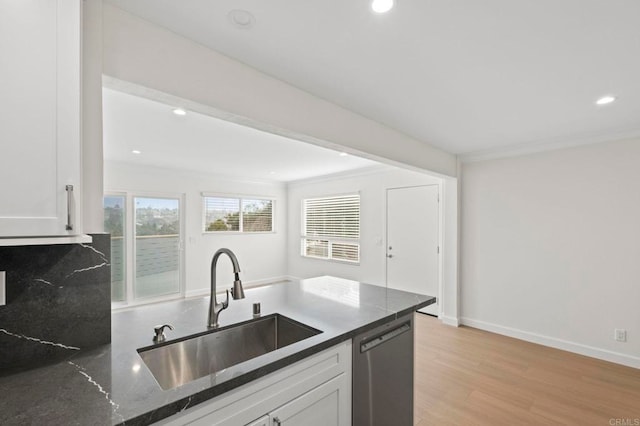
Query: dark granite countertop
{"type": "Point", "coordinates": [111, 384]}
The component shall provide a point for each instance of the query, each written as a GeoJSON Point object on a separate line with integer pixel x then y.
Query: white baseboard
{"type": "Point", "coordinates": [245, 284]}
{"type": "Point", "coordinates": [290, 278]}
{"type": "Point", "coordinates": [565, 345]}
{"type": "Point", "coordinates": [452, 321]}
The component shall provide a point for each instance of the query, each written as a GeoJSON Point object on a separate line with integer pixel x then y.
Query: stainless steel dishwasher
{"type": "Point", "coordinates": [383, 375]}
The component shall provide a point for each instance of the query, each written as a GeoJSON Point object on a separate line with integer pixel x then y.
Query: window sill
{"type": "Point", "coordinates": [124, 305]}
{"type": "Point", "coordinates": [343, 262]}
{"type": "Point", "coordinates": [237, 233]}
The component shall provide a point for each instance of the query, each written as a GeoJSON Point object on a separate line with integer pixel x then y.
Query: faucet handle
{"type": "Point", "coordinates": [159, 332]}
{"type": "Point", "coordinates": [225, 304]}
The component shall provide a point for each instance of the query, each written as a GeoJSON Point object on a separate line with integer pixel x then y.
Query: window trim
{"type": "Point", "coordinates": [330, 240]}
{"type": "Point", "coordinates": [240, 198]}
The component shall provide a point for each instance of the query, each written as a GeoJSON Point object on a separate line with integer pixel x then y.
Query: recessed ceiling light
{"type": "Point", "coordinates": [135, 151]}
{"type": "Point", "coordinates": [605, 100]}
{"type": "Point", "coordinates": [343, 154]}
{"type": "Point", "coordinates": [179, 111]}
{"type": "Point", "coordinates": [382, 6]}
{"type": "Point", "coordinates": [241, 19]}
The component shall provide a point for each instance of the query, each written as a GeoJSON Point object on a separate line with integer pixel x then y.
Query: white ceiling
{"type": "Point", "coordinates": [462, 75]}
{"type": "Point", "coordinates": [201, 143]}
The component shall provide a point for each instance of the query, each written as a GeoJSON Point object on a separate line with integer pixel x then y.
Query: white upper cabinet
{"type": "Point", "coordinates": [40, 117]}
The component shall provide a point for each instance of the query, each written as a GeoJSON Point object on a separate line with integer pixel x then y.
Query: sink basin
{"type": "Point", "coordinates": [176, 363]}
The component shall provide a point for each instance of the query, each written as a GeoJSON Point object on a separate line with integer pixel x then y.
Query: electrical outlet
{"type": "Point", "coordinates": [620, 334]}
{"type": "Point", "coordinates": [3, 288]}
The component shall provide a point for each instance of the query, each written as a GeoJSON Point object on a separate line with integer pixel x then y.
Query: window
{"type": "Point", "coordinates": [157, 247]}
{"type": "Point", "coordinates": [221, 214]}
{"type": "Point", "coordinates": [114, 223]}
{"type": "Point", "coordinates": [146, 254]}
{"type": "Point", "coordinates": [257, 215]}
{"type": "Point", "coordinates": [331, 228]}
{"type": "Point", "coordinates": [235, 214]}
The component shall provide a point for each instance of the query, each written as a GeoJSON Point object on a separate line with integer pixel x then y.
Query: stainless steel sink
{"type": "Point", "coordinates": [176, 363]}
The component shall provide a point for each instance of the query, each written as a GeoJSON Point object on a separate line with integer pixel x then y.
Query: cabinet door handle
{"type": "Point", "coordinates": [276, 422]}
{"type": "Point", "coordinates": [69, 189]}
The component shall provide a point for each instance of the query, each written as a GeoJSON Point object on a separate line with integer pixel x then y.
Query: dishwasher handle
{"type": "Point", "coordinates": [384, 337]}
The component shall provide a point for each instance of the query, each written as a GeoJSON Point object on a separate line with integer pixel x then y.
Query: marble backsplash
{"type": "Point", "coordinates": [58, 302]}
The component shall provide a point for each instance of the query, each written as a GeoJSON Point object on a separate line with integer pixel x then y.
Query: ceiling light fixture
{"type": "Point", "coordinates": [605, 100]}
{"type": "Point", "coordinates": [241, 19]}
{"type": "Point", "coordinates": [135, 151]}
{"type": "Point", "coordinates": [343, 154]}
{"type": "Point", "coordinates": [179, 111]}
{"type": "Point", "coordinates": [382, 6]}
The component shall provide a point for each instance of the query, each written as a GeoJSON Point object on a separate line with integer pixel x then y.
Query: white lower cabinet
{"type": "Point", "coordinates": [314, 391]}
{"type": "Point", "coordinates": [322, 406]}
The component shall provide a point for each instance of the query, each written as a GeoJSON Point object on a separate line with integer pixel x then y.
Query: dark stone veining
{"type": "Point", "coordinates": [111, 385]}
{"type": "Point", "coordinates": [58, 302]}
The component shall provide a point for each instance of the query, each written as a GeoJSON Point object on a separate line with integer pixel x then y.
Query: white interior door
{"type": "Point", "coordinates": [412, 241]}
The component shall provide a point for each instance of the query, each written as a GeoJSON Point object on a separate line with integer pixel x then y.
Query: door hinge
{"type": "Point", "coordinates": [438, 249]}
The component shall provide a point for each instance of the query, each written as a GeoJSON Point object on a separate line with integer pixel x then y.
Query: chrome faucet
{"type": "Point", "coordinates": [237, 292]}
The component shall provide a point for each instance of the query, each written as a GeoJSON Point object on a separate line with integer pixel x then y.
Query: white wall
{"type": "Point", "coordinates": [551, 248]}
{"type": "Point", "coordinates": [144, 59]}
{"type": "Point", "coordinates": [262, 257]}
{"type": "Point", "coordinates": [372, 186]}
{"type": "Point", "coordinates": [138, 52]}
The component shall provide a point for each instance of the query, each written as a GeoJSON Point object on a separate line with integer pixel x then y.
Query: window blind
{"type": "Point", "coordinates": [221, 214]}
{"type": "Point", "coordinates": [331, 228]}
{"type": "Point", "coordinates": [235, 214]}
{"type": "Point", "coordinates": [257, 215]}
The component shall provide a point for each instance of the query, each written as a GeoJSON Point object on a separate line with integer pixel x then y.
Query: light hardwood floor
{"type": "Point", "coordinates": [466, 376]}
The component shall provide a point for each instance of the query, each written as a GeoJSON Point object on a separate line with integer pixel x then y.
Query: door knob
{"type": "Point", "coordinates": [389, 256]}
